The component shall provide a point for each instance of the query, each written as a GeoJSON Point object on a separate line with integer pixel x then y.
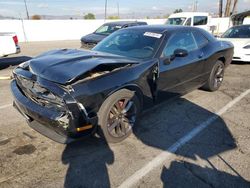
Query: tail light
{"type": "Point", "coordinates": [15, 39]}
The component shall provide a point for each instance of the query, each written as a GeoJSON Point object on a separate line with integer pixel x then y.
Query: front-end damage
{"type": "Point", "coordinates": [66, 111]}
{"type": "Point", "coordinates": [49, 108]}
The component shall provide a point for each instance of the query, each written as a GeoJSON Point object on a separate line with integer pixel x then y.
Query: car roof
{"type": "Point", "coordinates": [188, 14]}
{"type": "Point", "coordinates": [161, 28]}
{"type": "Point", "coordinates": [171, 29]}
{"type": "Point", "coordinates": [121, 23]}
{"type": "Point", "coordinates": [237, 26]}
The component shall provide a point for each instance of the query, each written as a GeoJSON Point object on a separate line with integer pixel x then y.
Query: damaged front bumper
{"type": "Point", "coordinates": [62, 125]}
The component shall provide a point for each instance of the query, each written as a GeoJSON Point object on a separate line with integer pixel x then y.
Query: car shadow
{"type": "Point", "coordinates": [182, 173]}
{"type": "Point", "coordinates": [87, 162]}
{"type": "Point", "coordinates": [173, 120]}
{"type": "Point", "coordinates": [170, 121]}
{"type": "Point", "coordinates": [12, 61]}
{"type": "Point", "coordinates": [159, 127]}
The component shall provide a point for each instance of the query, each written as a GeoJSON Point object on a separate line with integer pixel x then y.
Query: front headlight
{"type": "Point", "coordinates": [24, 65]}
{"type": "Point", "coordinates": [247, 46]}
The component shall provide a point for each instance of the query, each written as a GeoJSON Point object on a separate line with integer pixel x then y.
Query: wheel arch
{"type": "Point", "coordinates": [223, 59]}
{"type": "Point", "coordinates": [131, 87]}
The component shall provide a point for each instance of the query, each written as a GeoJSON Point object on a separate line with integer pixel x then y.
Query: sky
{"type": "Point", "coordinates": [127, 8]}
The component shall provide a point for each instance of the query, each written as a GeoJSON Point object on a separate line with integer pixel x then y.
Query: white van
{"type": "Point", "coordinates": [197, 19]}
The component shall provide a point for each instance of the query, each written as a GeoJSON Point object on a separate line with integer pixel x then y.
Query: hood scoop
{"type": "Point", "coordinates": [65, 66]}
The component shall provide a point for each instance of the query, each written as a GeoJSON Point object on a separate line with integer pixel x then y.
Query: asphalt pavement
{"type": "Point", "coordinates": [201, 139]}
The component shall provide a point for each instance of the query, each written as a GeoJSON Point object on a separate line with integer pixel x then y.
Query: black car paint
{"type": "Point", "coordinates": [76, 62]}
{"type": "Point", "coordinates": [83, 97]}
{"type": "Point", "coordinates": [92, 39]}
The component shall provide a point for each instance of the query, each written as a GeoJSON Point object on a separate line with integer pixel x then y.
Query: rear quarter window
{"type": "Point", "coordinates": [200, 20]}
{"type": "Point", "coordinates": [200, 39]}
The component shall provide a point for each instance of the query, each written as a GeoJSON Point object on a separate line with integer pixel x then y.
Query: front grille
{"type": "Point", "coordinates": [88, 45]}
{"type": "Point", "coordinates": [39, 94]}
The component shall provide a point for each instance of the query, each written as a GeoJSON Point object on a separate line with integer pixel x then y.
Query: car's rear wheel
{"type": "Point", "coordinates": [216, 77]}
{"type": "Point", "coordinates": [118, 115]}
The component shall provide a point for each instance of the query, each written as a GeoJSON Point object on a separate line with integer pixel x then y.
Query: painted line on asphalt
{"type": "Point", "coordinates": [5, 106]}
{"type": "Point", "coordinates": [166, 154]}
{"type": "Point", "coordinates": [5, 77]}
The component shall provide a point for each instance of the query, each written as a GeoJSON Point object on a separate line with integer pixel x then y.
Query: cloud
{"type": "Point", "coordinates": [154, 8]}
{"type": "Point", "coordinates": [96, 10]}
{"type": "Point", "coordinates": [43, 5]}
{"type": "Point", "coordinates": [11, 3]}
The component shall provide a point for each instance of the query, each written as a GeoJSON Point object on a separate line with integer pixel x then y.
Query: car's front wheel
{"type": "Point", "coordinates": [118, 115]}
{"type": "Point", "coordinates": [216, 77]}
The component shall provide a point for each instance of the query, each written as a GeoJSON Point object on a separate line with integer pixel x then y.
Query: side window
{"type": "Point", "coordinates": [188, 22]}
{"type": "Point", "coordinates": [200, 39]}
{"type": "Point", "coordinates": [184, 40]}
{"type": "Point", "coordinates": [133, 24]}
{"type": "Point", "coordinates": [200, 20]}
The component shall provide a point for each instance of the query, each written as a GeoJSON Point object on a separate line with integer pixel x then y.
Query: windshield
{"type": "Point", "coordinates": [175, 21]}
{"type": "Point", "coordinates": [107, 29]}
{"type": "Point", "coordinates": [131, 43]}
{"type": "Point", "coordinates": [237, 32]}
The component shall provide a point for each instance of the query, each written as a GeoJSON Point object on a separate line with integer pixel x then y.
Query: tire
{"type": "Point", "coordinates": [216, 77]}
{"type": "Point", "coordinates": [118, 115]}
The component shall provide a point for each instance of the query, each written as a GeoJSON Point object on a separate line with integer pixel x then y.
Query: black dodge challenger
{"type": "Point", "coordinates": [67, 94]}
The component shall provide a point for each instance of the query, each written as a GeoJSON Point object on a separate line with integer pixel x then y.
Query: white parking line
{"type": "Point", "coordinates": [166, 154]}
{"type": "Point", "coordinates": [5, 106]}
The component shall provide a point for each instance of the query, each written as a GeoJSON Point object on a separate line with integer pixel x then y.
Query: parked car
{"type": "Point", "coordinates": [90, 40]}
{"type": "Point", "coordinates": [240, 37]}
{"type": "Point", "coordinates": [9, 44]}
{"type": "Point", "coordinates": [196, 19]}
{"type": "Point", "coordinates": [66, 94]}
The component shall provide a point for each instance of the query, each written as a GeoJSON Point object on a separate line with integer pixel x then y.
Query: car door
{"type": "Point", "coordinates": [181, 73]}
{"type": "Point", "coordinates": [206, 55]}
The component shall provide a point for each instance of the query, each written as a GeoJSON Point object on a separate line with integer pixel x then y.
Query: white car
{"type": "Point", "coordinates": [196, 19]}
{"type": "Point", "coordinates": [8, 44]}
{"type": "Point", "coordinates": [240, 37]}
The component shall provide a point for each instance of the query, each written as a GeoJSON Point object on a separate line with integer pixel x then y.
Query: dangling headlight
{"type": "Point", "coordinates": [24, 65]}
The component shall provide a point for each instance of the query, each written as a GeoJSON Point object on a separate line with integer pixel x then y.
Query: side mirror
{"type": "Point", "coordinates": [180, 53]}
{"type": "Point", "coordinates": [167, 60]}
{"type": "Point", "coordinates": [177, 53]}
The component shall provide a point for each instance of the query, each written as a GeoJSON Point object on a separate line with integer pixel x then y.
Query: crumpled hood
{"type": "Point", "coordinates": [93, 38]}
{"type": "Point", "coordinates": [66, 65]}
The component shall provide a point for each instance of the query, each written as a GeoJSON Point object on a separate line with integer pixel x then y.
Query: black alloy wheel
{"type": "Point", "coordinates": [117, 115]}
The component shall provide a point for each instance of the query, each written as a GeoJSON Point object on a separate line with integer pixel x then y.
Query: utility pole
{"type": "Point", "coordinates": [26, 10]}
{"type": "Point", "coordinates": [195, 3]}
{"type": "Point", "coordinates": [228, 8]}
{"type": "Point", "coordinates": [118, 10]}
{"type": "Point", "coordinates": [220, 8]}
{"type": "Point", "coordinates": [106, 2]}
{"type": "Point", "coordinates": [234, 6]}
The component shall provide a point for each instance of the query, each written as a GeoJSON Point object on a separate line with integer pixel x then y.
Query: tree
{"type": "Point", "coordinates": [36, 17]}
{"type": "Point", "coordinates": [157, 17]}
{"type": "Point", "coordinates": [113, 17]}
{"type": "Point", "coordinates": [178, 10]}
{"type": "Point", "coordinates": [166, 16]}
{"type": "Point", "coordinates": [89, 16]}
